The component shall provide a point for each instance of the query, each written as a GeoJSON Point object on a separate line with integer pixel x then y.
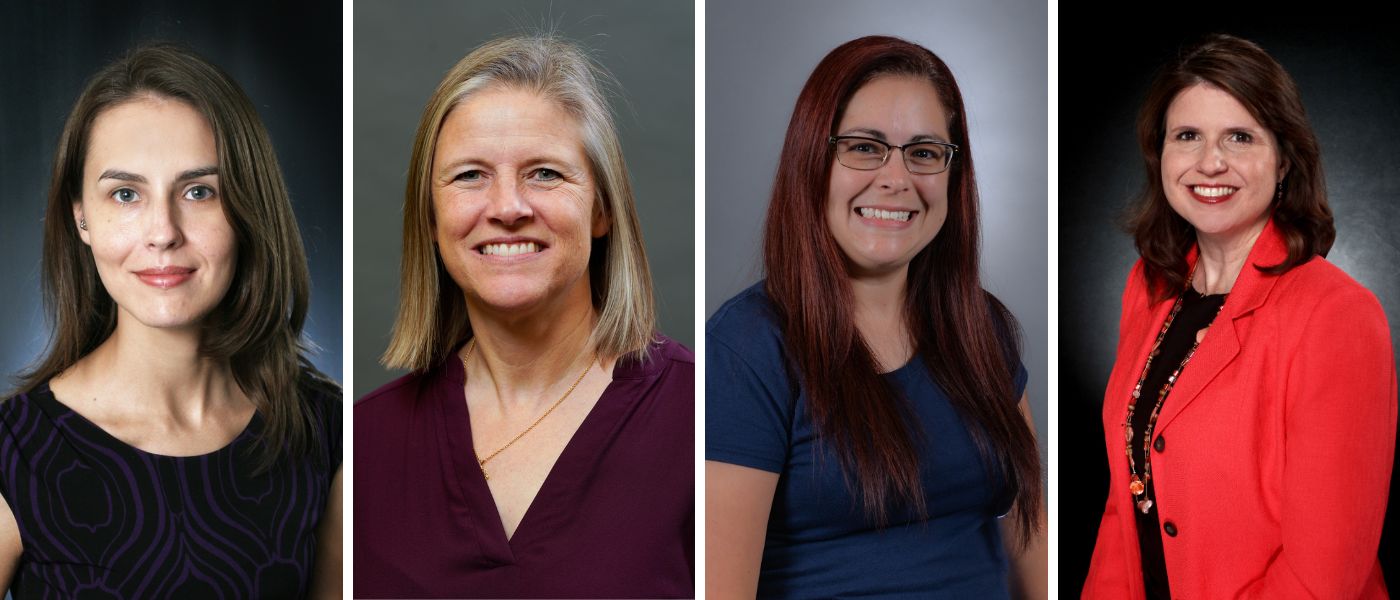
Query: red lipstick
{"type": "Point", "coordinates": [1212, 199]}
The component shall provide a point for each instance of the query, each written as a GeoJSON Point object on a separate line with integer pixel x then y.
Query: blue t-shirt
{"type": "Point", "coordinates": [819, 542]}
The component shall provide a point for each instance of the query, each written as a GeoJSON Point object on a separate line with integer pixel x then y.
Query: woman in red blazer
{"type": "Point", "coordinates": [1250, 416]}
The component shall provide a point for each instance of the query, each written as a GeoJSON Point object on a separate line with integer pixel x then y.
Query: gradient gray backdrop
{"type": "Point", "coordinates": [48, 50]}
{"type": "Point", "coordinates": [1348, 78]}
{"type": "Point", "coordinates": [402, 51]}
{"type": "Point", "coordinates": [759, 54]}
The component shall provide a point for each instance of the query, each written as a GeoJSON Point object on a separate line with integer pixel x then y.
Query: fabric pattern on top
{"type": "Point", "coordinates": [101, 519]}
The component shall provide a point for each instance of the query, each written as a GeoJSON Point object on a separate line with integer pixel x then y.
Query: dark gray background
{"type": "Point", "coordinates": [286, 56]}
{"type": "Point", "coordinates": [402, 51]}
{"type": "Point", "coordinates": [758, 55]}
{"type": "Point", "coordinates": [1348, 78]}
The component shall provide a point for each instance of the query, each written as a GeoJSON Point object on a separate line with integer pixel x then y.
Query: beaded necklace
{"type": "Point", "coordinates": [1138, 485]}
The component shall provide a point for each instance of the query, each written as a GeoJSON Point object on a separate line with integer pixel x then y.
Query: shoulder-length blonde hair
{"type": "Point", "coordinates": [432, 317]}
{"type": "Point", "coordinates": [257, 325]}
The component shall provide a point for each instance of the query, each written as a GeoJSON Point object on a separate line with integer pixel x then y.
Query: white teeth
{"type": "Point", "coordinates": [509, 249]}
{"type": "Point", "coordinates": [888, 215]}
{"type": "Point", "coordinates": [1213, 192]}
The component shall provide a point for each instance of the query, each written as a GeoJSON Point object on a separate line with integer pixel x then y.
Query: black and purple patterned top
{"type": "Point", "coordinates": [101, 519]}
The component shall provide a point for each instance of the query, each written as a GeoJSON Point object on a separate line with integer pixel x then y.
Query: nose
{"type": "Point", "coordinates": [1212, 160]}
{"type": "Point", "coordinates": [893, 177]}
{"type": "Point", "coordinates": [163, 225]}
{"type": "Point", "coordinates": [508, 206]}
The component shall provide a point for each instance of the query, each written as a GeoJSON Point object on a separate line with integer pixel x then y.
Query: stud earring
{"type": "Point", "coordinates": [82, 223]}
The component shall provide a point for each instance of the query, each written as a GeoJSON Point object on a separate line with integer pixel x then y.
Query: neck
{"type": "Point", "coordinates": [162, 369]}
{"type": "Point", "coordinates": [1222, 258]}
{"type": "Point", "coordinates": [878, 308]}
{"type": "Point", "coordinates": [524, 356]}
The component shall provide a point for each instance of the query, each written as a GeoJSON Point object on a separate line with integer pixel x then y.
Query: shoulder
{"type": "Point", "coordinates": [322, 396]}
{"type": "Point", "coordinates": [22, 410]}
{"type": "Point", "coordinates": [1320, 284]}
{"type": "Point", "coordinates": [1318, 278]}
{"type": "Point", "coordinates": [671, 353]}
{"type": "Point", "coordinates": [1137, 279]}
{"type": "Point", "coordinates": [746, 324]}
{"type": "Point", "coordinates": [394, 397]}
{"type": "Point", "coordinates": [664, 360]}
{"type": "Point", "coordinates": [1319, 293]}
{"type": "Point", "coordinates": [323, 393]}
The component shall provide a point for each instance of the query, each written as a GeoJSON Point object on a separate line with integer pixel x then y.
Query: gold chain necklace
{"type": "Point", "coordinates": [481, 462]}
{"type": "Point", "coordinates": [1138, 485]}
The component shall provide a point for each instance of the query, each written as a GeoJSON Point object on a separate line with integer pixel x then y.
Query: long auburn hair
{"type": "Point", "coordinates": [257, 326]}
{"type": "Point", "coordinates": [1300, 214]}
{"type": "Point", "coordinates": [967, 339]}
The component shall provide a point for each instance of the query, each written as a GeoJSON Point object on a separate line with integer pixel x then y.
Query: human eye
{"type": "Point", "coordinates": [1187, 135]}
{"type": "Point", "coordinates": [545, 174]}
{"type": "Point", "coordinates": [865, 147]}
{"type": "Point", "coordinates": [470, 175]}
{"type": "Point", "coordinates": [1241, 137]}
{"type": "Point", "coordinates": [199, 192]}
{"type": "Point", "coordinates": [124, 195]}
{"type": "Point", "coordinates": [929, 152]}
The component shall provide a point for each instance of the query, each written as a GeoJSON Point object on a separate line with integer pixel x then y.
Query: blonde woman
{"type": "Point", "coordinates": [543, 444]}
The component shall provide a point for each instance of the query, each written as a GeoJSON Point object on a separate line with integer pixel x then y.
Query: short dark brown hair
{"type": "Point", "coordinates": [1245, 71]}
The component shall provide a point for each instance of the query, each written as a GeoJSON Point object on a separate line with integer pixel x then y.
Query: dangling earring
{"type": "Point", "coordinates": [82, 223]}
{"type": "Point", "coordinates": [1278, 191]}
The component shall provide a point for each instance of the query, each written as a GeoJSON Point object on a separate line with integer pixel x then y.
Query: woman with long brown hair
{"type": "Point", "coordinates": [863, 425]}
{"type": "Point", "coordinates": [174, 440]}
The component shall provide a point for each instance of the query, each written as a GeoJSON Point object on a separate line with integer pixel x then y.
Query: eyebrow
{"type": "Point", "coordinates": [134, 178]}
{"type": "Point", "coordinates": [452, 167]}
{"type": "Point", "coordinates": [880, 135]}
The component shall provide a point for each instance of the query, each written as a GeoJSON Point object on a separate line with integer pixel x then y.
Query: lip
{"type": "Point", "coordinates": [888, 224]}
{"type": "Point", "coordinates": [165, 277]}
{"type": "Point", "coordinates": [1191, 189]}
{"type": "Point", "coordinates": [512, 239]}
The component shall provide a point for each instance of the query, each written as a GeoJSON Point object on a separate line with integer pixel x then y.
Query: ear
{"type": "Point", "coordinates": [601, 223]}
{"type": "Point", "coordinates": [80, 222]}
{"type": "Point", "coordinates": [1282, 168]}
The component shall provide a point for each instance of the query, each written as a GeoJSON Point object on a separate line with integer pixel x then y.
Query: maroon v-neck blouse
{"type": "Point", "coordinates": [614, 518]}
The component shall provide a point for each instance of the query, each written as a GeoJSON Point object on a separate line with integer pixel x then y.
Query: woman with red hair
{"type": "Point", "coordinates": [863, 426]}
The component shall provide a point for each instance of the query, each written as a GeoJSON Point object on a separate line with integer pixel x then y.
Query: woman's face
{"type": "Point", "coordinates": [154, 212]}
{"type": "Point", "coordinates": [514, 200]}
{"type": "Point", "coordinates": [882, 218]}
{"type": "Point", "coordinates": [1220, 167]}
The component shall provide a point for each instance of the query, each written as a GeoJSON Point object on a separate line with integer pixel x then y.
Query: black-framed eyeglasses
{"type": "Point", "coordinates": [868, 154]}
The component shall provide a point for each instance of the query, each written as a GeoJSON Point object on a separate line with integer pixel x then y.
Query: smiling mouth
{"type": "Point", "coordinates": [1213, 193]}
{"type": "Point", "coordinates": [509, 249]}
{"type": "Point", "coordinates": [885, 215]}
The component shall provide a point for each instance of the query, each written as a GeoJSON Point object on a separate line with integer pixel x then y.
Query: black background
{"type": "Point", "coordinates": [1349, 77]}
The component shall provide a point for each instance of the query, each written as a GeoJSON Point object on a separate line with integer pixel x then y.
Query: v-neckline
{"type": "Point", "coordinates": [455, 425]}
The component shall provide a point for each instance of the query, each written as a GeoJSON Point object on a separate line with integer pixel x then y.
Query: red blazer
{"type": "Point", "coordinates": [1278, 440]}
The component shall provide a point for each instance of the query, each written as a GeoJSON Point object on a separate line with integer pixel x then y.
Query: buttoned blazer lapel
{"type": "Point", "coordinates": [1223, 341]}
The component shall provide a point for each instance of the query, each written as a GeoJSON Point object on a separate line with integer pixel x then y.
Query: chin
{"type": "Point", "coordinates": [508, 298]}
{"type": "Point", "coordinates": [171, 319]}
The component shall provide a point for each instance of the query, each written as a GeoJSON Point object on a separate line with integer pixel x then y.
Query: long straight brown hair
{"type": "Point", "coordinates": [967, 339]}
{"type": "Point", "coordinates": [257, 326]}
